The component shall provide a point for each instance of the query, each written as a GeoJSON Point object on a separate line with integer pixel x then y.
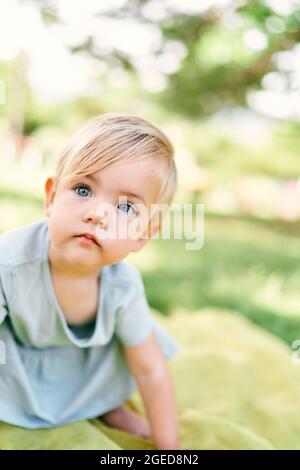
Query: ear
{"type": "Point", "coordinates": [149, 233]}
{"type": "Point", "coordinates": [50, 189]}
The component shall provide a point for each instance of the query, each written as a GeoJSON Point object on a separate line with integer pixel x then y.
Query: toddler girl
{"type": "Point", "coordinates": [76, 327]}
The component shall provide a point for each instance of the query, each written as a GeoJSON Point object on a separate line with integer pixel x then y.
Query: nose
{"type": "Point", "coordinates": [97, 215]}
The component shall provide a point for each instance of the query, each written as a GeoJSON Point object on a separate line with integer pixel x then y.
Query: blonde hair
{"type": "Point", "coordinates": [113, 137]}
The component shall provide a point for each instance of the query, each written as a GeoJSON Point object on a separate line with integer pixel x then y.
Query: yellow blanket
{"type": "Point", "coordinates": [237, 387]}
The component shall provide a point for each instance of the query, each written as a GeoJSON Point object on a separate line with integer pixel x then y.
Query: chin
{"type": "Point", "coordinates": [83, 259]}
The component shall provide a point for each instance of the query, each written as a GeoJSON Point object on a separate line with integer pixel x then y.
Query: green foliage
{"type": "Point", "coordinates": [219, 68]}
{"type": "Point", "coordinates": [226, 156]}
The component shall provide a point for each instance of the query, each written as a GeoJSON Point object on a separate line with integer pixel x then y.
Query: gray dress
{"type": "Point", "coordinates": [52, 373]}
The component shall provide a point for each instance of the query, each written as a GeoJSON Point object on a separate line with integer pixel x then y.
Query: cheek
{"type": "Point", "coordinates": [57, 227]}
{"type": "Point", "coordinates": [64, 209]}
{"type": "Point", "coordinates": [60, 221]}
{"type": "Point", "coordinates": [119, 237]}
{"type": "Point", "coordinates": [129, 229]}
{"type": "Point", "coordinates": [136, 228]}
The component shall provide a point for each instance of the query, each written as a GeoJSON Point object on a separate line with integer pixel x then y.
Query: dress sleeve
{"type": "Point", "coordinates": [6, 288]}
{"type": "Point", "coordinates": [3, 303]}
{"type": "Point", "coordinates": [134, 321]}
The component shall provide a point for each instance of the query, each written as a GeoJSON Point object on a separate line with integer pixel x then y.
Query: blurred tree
{"type": "Point", "coordinates": [229, 47]}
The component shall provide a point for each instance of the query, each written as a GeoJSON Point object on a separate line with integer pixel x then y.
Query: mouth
{"type": "Point", "coordinates": [87, 239]}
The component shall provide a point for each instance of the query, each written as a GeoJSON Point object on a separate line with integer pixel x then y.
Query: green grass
{"type": "Point", "coordinates": [248, 266]}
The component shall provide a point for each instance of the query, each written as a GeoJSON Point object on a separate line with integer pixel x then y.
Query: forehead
{"type": "Point", "coordinates": [139, 178]}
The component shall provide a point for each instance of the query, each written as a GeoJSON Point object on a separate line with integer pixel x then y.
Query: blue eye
{"type": "Point", "coordinates": [81, 186]}
{"type": "Point", "coordinates": [84, 191]}
{"type": "Point", "coordinates": [127, 205]}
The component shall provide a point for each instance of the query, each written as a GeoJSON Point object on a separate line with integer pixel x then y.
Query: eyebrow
{"type": "Point", "coordinates": [93, 178]}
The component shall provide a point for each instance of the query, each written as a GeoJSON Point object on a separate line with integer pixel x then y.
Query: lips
{"type": "Point", "coordinates": [88, 238]}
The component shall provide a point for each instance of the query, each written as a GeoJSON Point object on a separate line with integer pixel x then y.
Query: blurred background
{"type": "Point", "coordinates": [222, 79]}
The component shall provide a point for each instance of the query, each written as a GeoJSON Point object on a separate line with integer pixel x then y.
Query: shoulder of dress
{"type": "Point", "coordinates": [125, 272]}
{"type": "Point", "coordinates": [23, 245]}
{"type": "Point", "coordinates": [6, 282]}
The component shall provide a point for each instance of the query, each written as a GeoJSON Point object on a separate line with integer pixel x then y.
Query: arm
{"type": "Point", "coordinates": [149, 368]}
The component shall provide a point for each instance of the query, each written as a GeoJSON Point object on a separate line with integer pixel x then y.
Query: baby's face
{"type": "Point", "coordinates": [113, 204]}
